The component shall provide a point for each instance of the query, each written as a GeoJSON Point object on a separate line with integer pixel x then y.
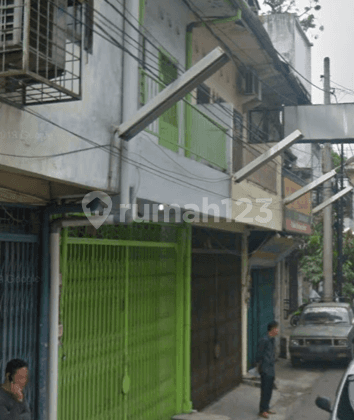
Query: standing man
{"type": "Point", "coordinates": [13, 405]}
{"type": "Point", "coordinates": [265, 362]}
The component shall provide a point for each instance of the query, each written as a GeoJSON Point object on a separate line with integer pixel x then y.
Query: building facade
{"type": "Point", "coordinates": [172, 308]}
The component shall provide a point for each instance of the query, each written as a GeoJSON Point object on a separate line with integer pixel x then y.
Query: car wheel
{"type": "Point", "coordinates": [295, 361]}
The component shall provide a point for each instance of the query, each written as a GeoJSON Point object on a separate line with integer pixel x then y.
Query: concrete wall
{"type": "Point", "coordinates": [92, 117]}
{"type": "Point", "coordinates": [224, 81]}
{"type": "Point", "coordinates": [252, 212]}
{"type": "Point", "coordinates": [303, 152]}
{"type": "Point", "coordinates": [302, 60]}
{"type": "Point", "coordinates": [291, 42]}
{"type": "Point", "coordinates": [266, 182]}
{"type": "Point", "coordinates": [154, 172]}
{"type": "Point", "coordinates": [164, 175]}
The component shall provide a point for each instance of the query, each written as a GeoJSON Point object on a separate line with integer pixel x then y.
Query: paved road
{"type": "Point", "coordinates": [325, 386]}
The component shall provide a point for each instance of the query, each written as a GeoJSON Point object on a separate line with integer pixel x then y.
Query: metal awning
{"type": "Point", "coordinates": [26, 188]}
{"type": "Point", "coordinates": [273, 251]}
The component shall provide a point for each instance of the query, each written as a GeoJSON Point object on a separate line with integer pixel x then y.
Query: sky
{"type": "Point", "coordinates": [335, 42]}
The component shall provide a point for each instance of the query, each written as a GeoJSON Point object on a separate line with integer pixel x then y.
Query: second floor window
{"type": "Point", "coordinates": [80, 22]}
{"type": "Point", "coordinates": [265, 126]}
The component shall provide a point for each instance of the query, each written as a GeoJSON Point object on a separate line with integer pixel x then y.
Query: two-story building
{"type": "Point", "coordinates": [294, 48]}
{"type": "Point", "coordinates": [160, 316]}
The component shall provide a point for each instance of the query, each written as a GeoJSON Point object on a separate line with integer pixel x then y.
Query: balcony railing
{"type": "Point", "coordinates": [203, 139]}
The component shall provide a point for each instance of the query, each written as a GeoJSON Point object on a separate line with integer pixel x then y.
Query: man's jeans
{"type": "Point", "coordinates": [266, 392]}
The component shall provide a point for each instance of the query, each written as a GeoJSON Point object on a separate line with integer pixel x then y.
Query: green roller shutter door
{"type": "Point", "coordinates": [119, 351]}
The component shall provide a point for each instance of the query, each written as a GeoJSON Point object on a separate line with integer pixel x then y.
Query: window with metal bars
{"type": "Point", "coordinates": [80, 22]}
{"type": "Point", "coordinates": [10, 22]}
{"type": "Point", "coordinates": [265, 125]}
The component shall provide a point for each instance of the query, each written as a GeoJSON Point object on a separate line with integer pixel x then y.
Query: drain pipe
{"type": "Point", "coordinates": [56, 227]}
{"type": "Point", "coordinates": [129, 98]}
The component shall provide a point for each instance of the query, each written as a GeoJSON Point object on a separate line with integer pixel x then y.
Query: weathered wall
{"type": "Point", "coordinates": [252, 213]}
{"type": "Point", "coordinates": [303, 152]}
{"type": "Point", "coordinates": [302, 60]}
{"type": "Point", "coordinates": [164, 175]}
{"type": "Point", "coordinates": [291, 42]}
{"type": "Point", "coordinates": [223, 82]}
{"type": "Point", "coordinates": [92, 118]}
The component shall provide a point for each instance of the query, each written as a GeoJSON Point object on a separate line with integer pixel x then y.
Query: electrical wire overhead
{"type": "Point", "coordinates": [100, 30]}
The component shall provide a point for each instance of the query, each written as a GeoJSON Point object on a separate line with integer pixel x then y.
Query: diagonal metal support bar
{"type": "Point", "coordinates": [174, 92]}
{"type": "Point", "coordinates": [302, 191]}
{"type": "Point", "coordinates": [332, 199]}
{"type": "Point", "coordinates": [266, 156]}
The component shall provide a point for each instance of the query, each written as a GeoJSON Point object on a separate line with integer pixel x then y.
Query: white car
{"type": "Point", "coordinates": [343, 408]}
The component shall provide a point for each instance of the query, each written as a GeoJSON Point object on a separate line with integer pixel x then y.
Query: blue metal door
{"type": "Point", "coordinates": [19, 298]}
{"type": "Point", "coordinates": [261, 310]}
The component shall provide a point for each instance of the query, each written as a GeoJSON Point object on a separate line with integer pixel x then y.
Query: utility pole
{"type": "Point", "coordinates": [340, 229]}
{"type": "Point", "coordinates": [327, 212]}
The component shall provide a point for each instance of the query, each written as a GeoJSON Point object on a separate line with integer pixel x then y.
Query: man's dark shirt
{"type": "Point", "coordinates": [266, 355]}
{"type": "Point", "coordinates": [11, 409]}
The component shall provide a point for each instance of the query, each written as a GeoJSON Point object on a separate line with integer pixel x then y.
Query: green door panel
{"type": "Point", "coordinates": [261, 310]}
{"type": "Point", "coordinates": [119, 349]}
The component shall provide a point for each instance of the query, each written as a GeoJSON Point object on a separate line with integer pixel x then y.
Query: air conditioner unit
{"type": "Point", "coordinates": [46, 39]}
{"type": "Point", "coordinates": [249, 84]}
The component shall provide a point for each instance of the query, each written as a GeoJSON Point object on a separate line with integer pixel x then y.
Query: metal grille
{"type": "Point", "coordinates": [19, 282]}
{"type": "Point", "coordinates": [40, 51]}
{"type": "Point", "coordinates": [145, 232]}
{"type": "Point", "coordinates": [118, 311]}
{"type": "Point", "coordinates": [317, 342]}
{"type": "Point", "coordinates": [215, 316]}
{"type": "Point", "coordinates": [19, 220]}
{"type": "Point", "coordinates": [10, 23]}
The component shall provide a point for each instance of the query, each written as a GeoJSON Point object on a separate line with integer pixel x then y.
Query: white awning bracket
{"type": "Point", "coordinates": [332, 199]}
{"type": "Point", "coordinates": [302, 191]}
{"type": "Point", "coordinates": [172, 93]}
{"type": "Point", "coordinates": [266, 156]}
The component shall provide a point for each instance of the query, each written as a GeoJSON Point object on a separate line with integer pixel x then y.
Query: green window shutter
{"type": "Point", "coordinates": [208, 140]}
{"type": "Point", "coordinates": [168, 122]}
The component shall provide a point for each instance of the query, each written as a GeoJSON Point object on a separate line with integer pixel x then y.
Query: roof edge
{"type": "Point", "coordinates": [254, 25]}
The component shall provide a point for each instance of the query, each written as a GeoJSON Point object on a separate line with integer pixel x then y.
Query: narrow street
{"type": "Point", "coordinates": [325, 386]}
{"type": "Point", "coordinates": [294, 398]}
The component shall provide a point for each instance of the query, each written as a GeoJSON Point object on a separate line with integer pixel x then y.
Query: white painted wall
{"type": "Point", "coordinates": [92, 117]}
{"type": "Point", "coordinates": [290, 41]}
{"type": "Point", "coordinates": [303, 152]}
{"type": "Point", "coordinates": [302, 59]}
